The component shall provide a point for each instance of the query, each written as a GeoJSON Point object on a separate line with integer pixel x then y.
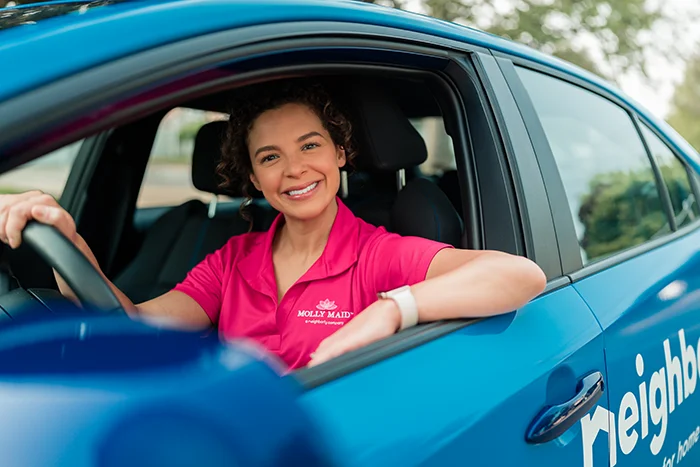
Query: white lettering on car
{"type": "Point", "coordinates": [668, 387]}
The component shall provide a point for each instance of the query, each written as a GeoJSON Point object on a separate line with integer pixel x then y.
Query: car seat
{"type": "Point", "coordinates": [389, 151]}
{"type": "Point", "coordinates": [184, 235]}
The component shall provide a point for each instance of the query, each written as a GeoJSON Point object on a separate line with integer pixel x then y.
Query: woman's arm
{"type": "Point", "coordinates": [469, 283]}
{"type": "Point", "coordinates": [459, 284]}
{"type": "Point", "coordinates": [16, 210]}
{"type": "Point", "coordinates": [177, 308]}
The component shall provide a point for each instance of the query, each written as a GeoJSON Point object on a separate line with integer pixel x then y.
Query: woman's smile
{"type": "Point", "coordinates": [302, 191]}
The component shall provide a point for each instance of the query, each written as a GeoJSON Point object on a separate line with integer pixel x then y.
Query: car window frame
{"type": "Point", "coordinates": [690, 172]}
{"type": "Point", "coordinates": [93, 81]}
{"type": "Point", "coordinates": [67, 100]}
{"type": "Point", "coordinates": [518, 153]}
{"type": "Point", "coordinates": [566, 235]}
{"type": "Point", "coordinates": [76, 95]}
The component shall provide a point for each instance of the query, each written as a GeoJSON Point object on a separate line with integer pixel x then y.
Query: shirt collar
{"type": "Point", "coordinates": [340, 253]}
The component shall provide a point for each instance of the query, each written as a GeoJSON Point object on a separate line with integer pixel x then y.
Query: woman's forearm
{"type": "Point", "coordinates": [126, 303]}
{"type": "Point", "coordinates": [490, 284]}
{"type": "Point", "coordinates": [174, 309]}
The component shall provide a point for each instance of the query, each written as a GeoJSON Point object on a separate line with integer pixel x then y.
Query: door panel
{"type": "Point", "coordinates": [649, 309]}
{"type": "Point", "coordinates": [468, 398]}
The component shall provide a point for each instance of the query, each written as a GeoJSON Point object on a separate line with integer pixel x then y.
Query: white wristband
{"type": "Point", "coordinates": [403, 297]}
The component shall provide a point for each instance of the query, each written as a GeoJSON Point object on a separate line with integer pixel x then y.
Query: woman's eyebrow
{"type": "Point", "coordinates": [308, 135]}
{"type": "Point", "coordinates": [266, 148]}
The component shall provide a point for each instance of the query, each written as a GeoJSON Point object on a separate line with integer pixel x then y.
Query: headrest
{"type": "Point", "coordinates": [421, 209]}
{"type": "Point", "coordinates": [206, 156]}
{"type": "Point", "coordinates": [385, 138]}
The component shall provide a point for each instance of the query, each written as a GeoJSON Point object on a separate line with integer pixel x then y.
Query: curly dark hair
{"type": "Point", "coordinates": [236, 166]}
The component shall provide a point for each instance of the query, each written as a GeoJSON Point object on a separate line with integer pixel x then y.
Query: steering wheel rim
{"type": "Point", "coordinates": [78, 272]}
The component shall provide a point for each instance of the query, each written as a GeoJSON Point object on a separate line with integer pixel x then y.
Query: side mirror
{"type": "Point", "coordinates": [107, 391]}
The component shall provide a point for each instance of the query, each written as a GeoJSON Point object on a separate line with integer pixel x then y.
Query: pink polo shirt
{"type": "Point", "coordinates": [236, 284]}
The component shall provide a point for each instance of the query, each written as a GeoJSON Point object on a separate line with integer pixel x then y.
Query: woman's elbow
{"type": "Point", "coordinates": [531, 278]}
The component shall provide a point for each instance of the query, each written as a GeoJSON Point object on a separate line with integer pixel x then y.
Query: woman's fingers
{"type": "Point", "coordinates": [377, 321]}
{"type": "Point", "coordinates": [338, 344]}
{"type": "Point", "coordinates": [17, 210]}
{"type": "Point", "coordinates": [7, 202]}
{"type": "Point", "coordinates": [17, 217]}
{"type": "Point", "coordinates": [55, 216]}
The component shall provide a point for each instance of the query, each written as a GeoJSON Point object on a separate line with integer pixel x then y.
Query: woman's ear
{"type": "Point", "coordinates": [340, 154]}
{"type": "Point", "coordinates": [254, 181]}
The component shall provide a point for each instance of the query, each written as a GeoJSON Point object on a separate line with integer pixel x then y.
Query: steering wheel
{"type": "Point", "coordinates": [64, 257]}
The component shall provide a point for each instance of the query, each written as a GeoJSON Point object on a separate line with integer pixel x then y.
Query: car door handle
{"type": "Point", "coordinates": [553, 421]}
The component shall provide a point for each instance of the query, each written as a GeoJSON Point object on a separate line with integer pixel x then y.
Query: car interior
{"type": "Point", "coordinates": [146, 251]}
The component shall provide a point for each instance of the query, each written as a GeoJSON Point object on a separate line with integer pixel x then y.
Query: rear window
{"type": "Point", "coordinates": [168, 177]}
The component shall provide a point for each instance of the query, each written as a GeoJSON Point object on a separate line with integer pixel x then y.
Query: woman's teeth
{"type": "Point", "coordinates": [303, 191]}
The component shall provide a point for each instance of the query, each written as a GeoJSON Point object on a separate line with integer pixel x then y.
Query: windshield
{"type": "Point", "coordinates": [31, 14]}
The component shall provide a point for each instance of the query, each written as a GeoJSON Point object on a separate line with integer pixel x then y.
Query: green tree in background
{"type": "Point", "coordinates": [621, 210]}
{"type": "Point", "coordinates": [685, 106]}
{"type": "Point", "coordinates": [563, 28]}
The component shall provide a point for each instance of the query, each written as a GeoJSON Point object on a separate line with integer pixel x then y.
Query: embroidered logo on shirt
{"type": "Point", "coordinates": [326, 305]}
{"type": "Point", "coordinates": [326, 311]}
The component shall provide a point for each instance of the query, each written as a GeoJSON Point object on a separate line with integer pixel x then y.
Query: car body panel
{"type": "Point", "coordinates": [469, 396]}
{"type": "Point", "coordinates": [100, 32]}
{"type": "Point", "coordinates": [649, 309]}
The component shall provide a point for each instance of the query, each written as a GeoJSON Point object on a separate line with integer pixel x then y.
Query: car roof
{"type": "Point", "coordinates": [76, 39]}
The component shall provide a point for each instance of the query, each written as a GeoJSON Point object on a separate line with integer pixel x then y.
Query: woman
{"type": "Point", "coordinates": [308, 288]}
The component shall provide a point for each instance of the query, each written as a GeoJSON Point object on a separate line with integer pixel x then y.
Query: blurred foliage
{"type": "Point", "coordinates": [569, 29]}
{"type": "Point", "coordinates": [685, 106]}
{"type": "Point", "coordinates": [621, 210]}
{"type": "Point", "coordinates": [189, 131]}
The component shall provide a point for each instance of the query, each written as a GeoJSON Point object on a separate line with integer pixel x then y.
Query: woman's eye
{"type": "Point", "coordinates": [268, 158]}
{"type": "Point", "coordinates": [309, 146]}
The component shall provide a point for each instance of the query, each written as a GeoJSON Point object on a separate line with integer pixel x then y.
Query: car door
{"type": "Point", "coordinates": [469, 396]}
{"type": "Point", "coordinates": [499, 391]}
{"type": "Point", "coordinates": [633, 222]}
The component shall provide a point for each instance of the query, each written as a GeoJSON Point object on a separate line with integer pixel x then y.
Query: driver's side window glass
{"type": "Point", "coordinates": [48, 173]}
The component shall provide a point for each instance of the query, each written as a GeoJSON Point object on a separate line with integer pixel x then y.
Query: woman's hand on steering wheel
{"type": "Point", "coordinates": [56, 241]}
{"type": "Point", "coordinates": [17, 210]}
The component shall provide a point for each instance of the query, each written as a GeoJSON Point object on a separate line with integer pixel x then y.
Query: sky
{"type": "Point", "coordinates": [667, 74]}
{"type": "Point", "coordinates": [654, 94]}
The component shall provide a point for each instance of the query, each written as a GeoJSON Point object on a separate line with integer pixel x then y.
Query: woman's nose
{"type": "Point", "coordinates": [296, 166]}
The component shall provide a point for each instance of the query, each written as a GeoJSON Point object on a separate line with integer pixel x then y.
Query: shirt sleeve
{"type": "Point", "coordinates": [397, 261]}
{"type": "Point", "coordinates": [204, 284]}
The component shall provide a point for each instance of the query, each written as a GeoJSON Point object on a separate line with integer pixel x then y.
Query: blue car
{"type": "Point", "coordinates": [116, 108]}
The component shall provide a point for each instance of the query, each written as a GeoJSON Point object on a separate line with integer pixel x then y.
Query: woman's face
{"type": "Point", "coordinates": [295, 162]}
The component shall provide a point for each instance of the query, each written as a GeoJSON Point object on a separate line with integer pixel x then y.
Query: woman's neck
{"type": "Point", "coordinates": [306, 238]}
